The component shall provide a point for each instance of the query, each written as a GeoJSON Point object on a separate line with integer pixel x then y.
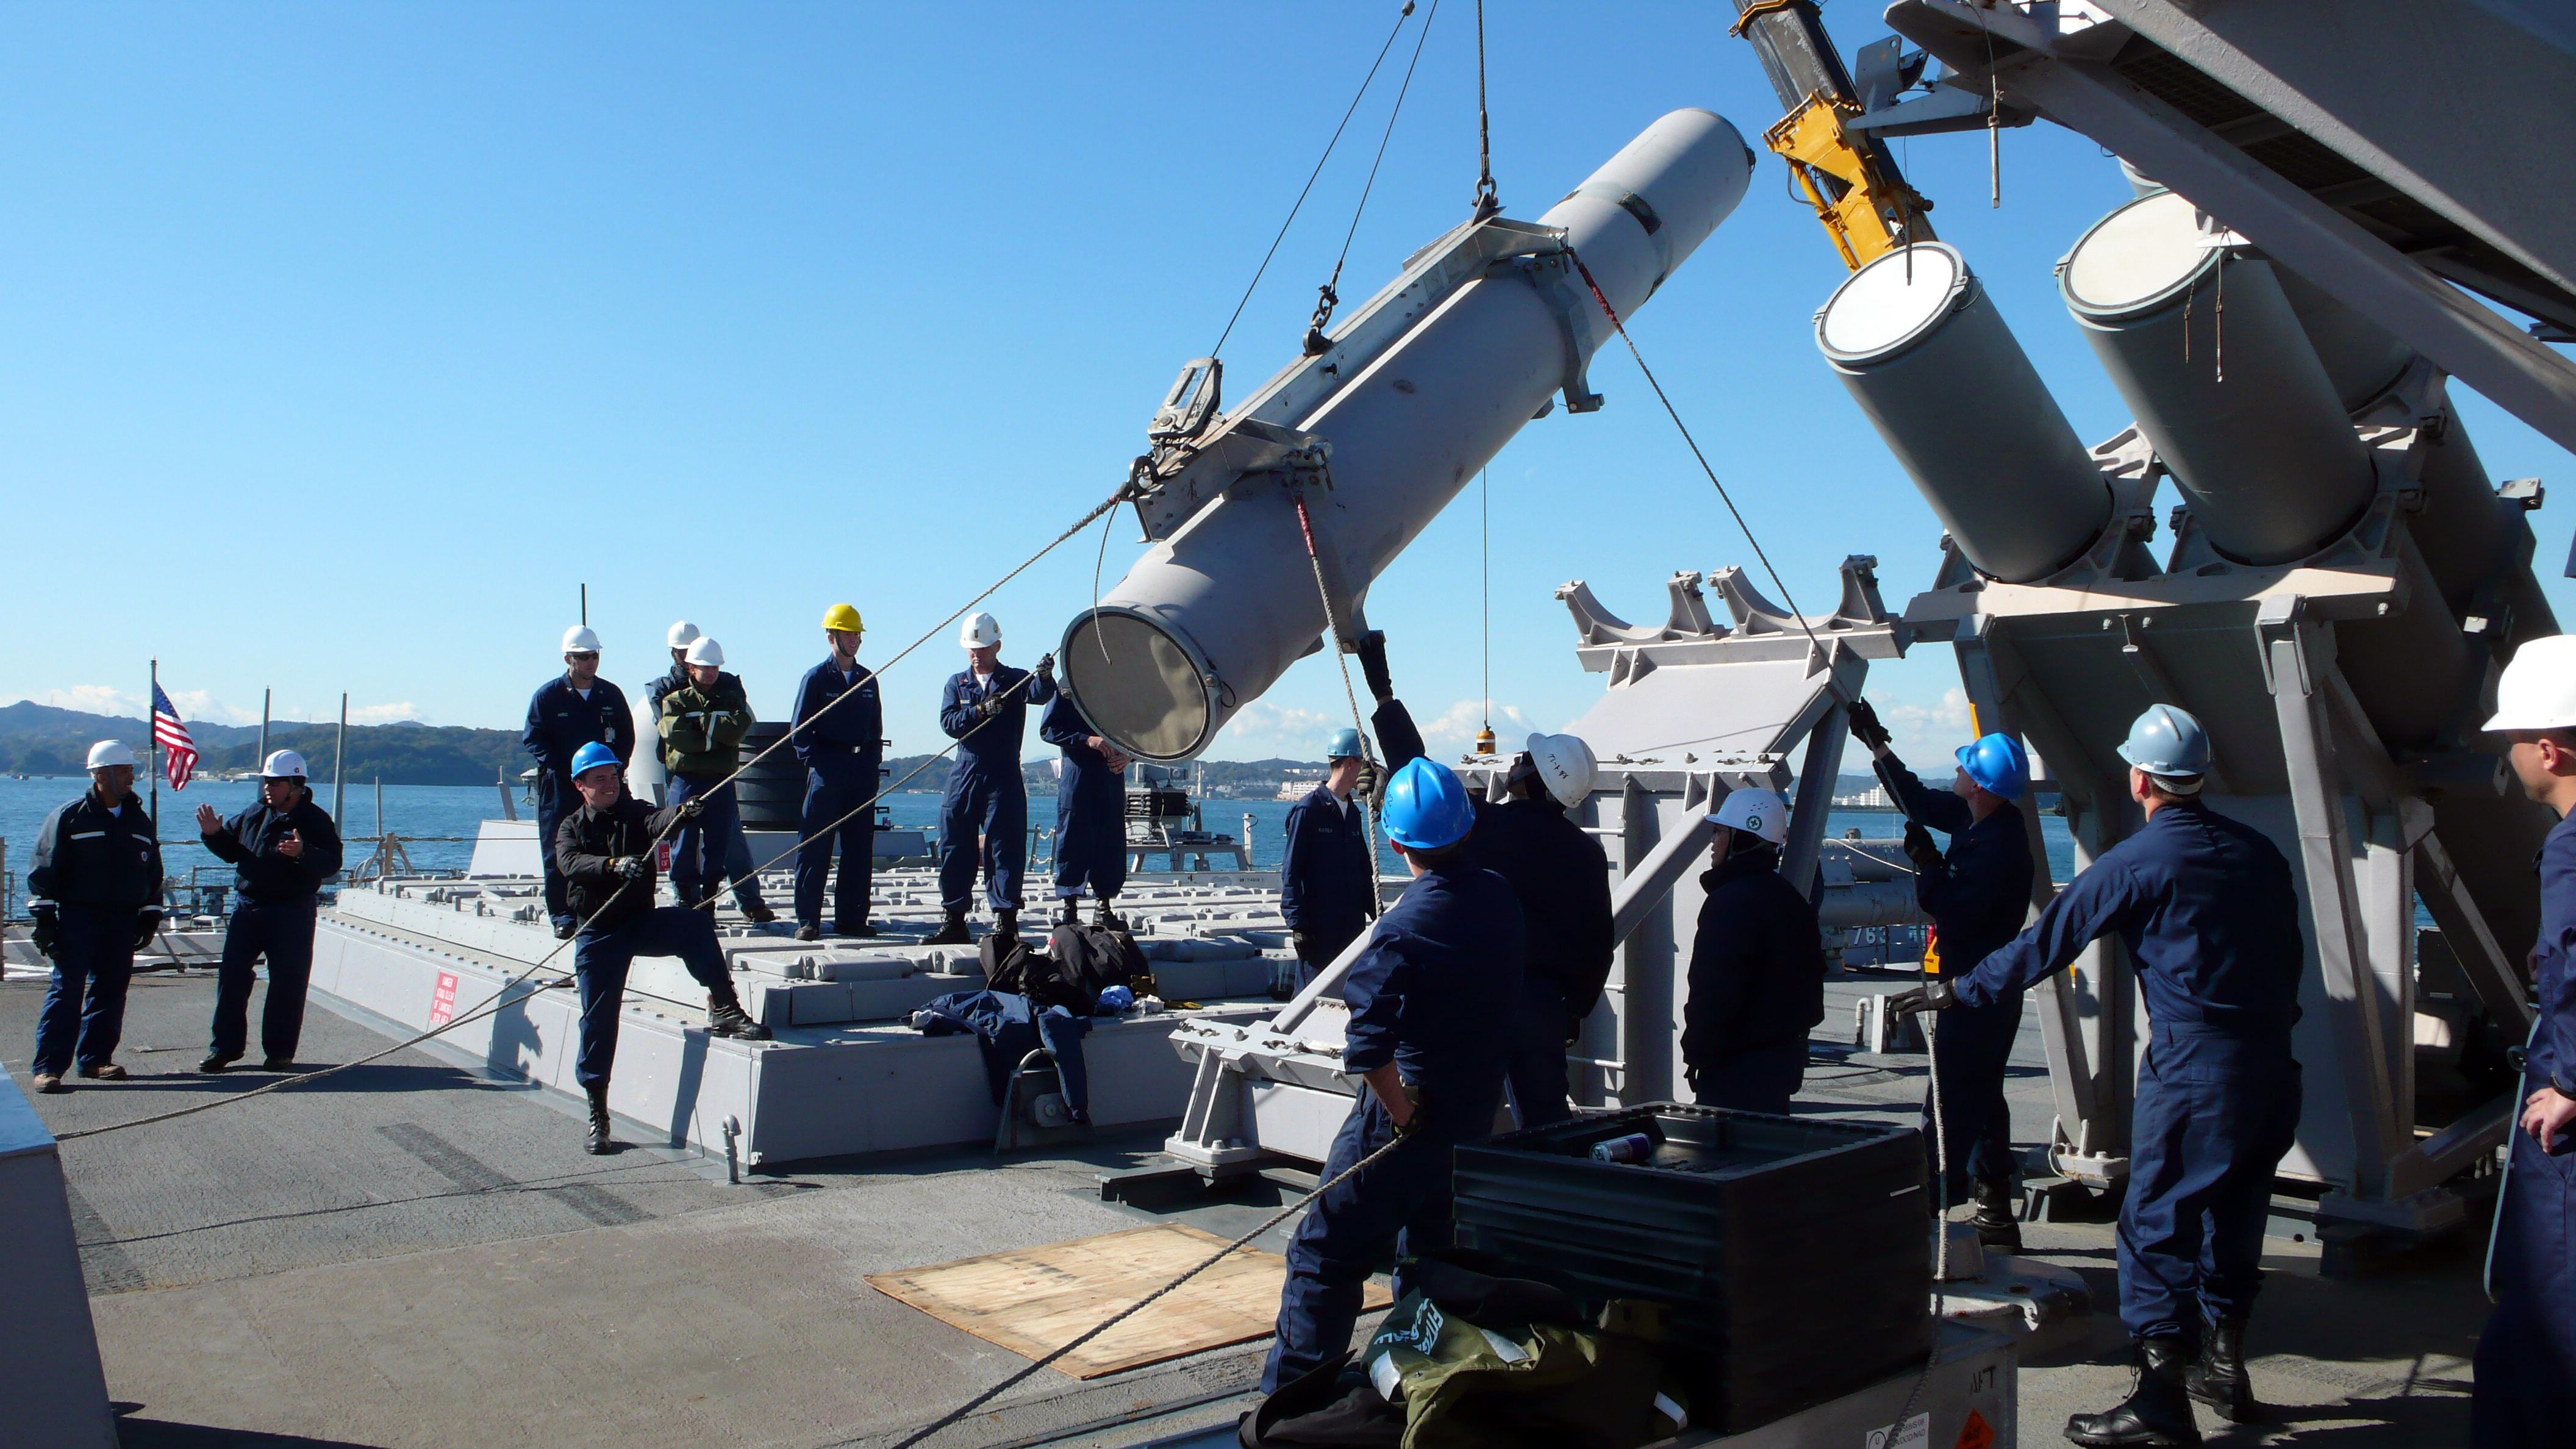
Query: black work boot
{"type": "Point", "coordinates": [2218, 1377]}
{"type": "Point", "coordinates": [1068, 912]}
{"type": "Point", "coordinates": [758, 913]}
{"type": "Point", "coordinates": [599, 1143]}
{"type": "Point", "coordinates": [1995, 1225]}
{"type": "Point", "coordinates": [856, 930]}
{"type": "Point", "coordinates": [951, 932]}
{"type": "Point", "coordinates": [2157, 1413]}
{"type": "Point", "coordinates": [725, 1017]}
{"type": "Point", "coordinates": [1106, 918]}
{"type": "Point", "coordinates": [809, 932]}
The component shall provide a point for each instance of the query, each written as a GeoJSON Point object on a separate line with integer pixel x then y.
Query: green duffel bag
{"type": "Point", "coordinates": [1464, 1385]}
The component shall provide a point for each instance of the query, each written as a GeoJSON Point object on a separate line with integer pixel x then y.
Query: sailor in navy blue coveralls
{"type": "Point", "coordinates": [984, 817]}
{"type": "Point", "coordinates": [841, 742]}
{"type": "Point", "coordinates": [1325, 883]}
{"type": "Point", "coordinates": [2208, 911]}
{"type": "Point", "coordinates": [1090, 809]}
{"type": "Point", "coordinates": [1433, 995]}
{"type": "Point", "coordinates": [2526, 1361]}
{"type": "Point", "coordinates": [571, 710]}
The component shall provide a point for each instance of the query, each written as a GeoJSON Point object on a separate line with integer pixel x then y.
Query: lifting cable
{"type": "Point", "coordinates": [1487, 203]}
{"type": "Point", "coordinates": [503, 998]}
{"type": "Point", "coordinates": [1341, 656]}
{"type": "Point", "coordinates": [1130, 1311]}
{"type": "Point", "coordinates": [1931, 1032]}
{"type": "Point", "coordinates": [1347, 113]}
{"type": "Point", "coordinates": [1326, 298]}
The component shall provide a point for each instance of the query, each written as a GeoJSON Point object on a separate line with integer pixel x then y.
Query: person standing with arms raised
{"type": "Point", "coordinates": [2525, 1396]}
{"type": "Point", "coordinates": [839, 737]}
{"type": "Point", "coordinates": [282, 849]}
{"type": "Point", "coordinates": [574, 709]}
{"type": "Point", "coordinates": [97, 883]}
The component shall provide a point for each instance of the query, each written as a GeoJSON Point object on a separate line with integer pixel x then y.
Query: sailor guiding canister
{"type": "Point", "coordinates": [1326, 883]}
{"type": "Point", "coordinates": [1431, 1000]}
{"type": "Point", "coordinates": [573, 709]}
{"type": "Point", "coordinates": [1757, 965]}
{"type": "Point", "coordinates": [839, 736]}
{"type": "Point", "coordinates": [738, 865]}
{"type": "Point", "coordinates": [605, 849]}
{"type": "Point", "coordinates": [282, 849]}
{"type": "Point", "coordinates": [984, 817]}
{"type": "Point", "coordinates": [1978, 895]}
{"type": "Point", "coordinates": [2525, 1394]}
{"type": "Point", "coordinates": [97, 883]}
{"type": "Point", "coordinates": [2210, 914]}
{"type": "Point", "coordinates": [1562, 880]}
{"type": "Point", "coordinates": [1090, 814]}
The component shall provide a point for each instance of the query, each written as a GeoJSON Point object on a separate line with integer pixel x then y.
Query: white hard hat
{"type": "Point", "coordinates": [1755, 811]}
{"type": "Point", "coordinates": [579, 640]}
{"type": "Point", "coordinates": [283, 765]}
{"type": "Point", "coordinates": [704, 650]}
{"type": "Point", "coordinates": [1565, 765]}
{"type": "Point", "coordinates": [682, 635]}
{"type": "Point", "coordinates": [980, 631]}
{"type": "Point", "coordinates": [110, 752]}
{"type": "Point", "coordinates": [2538, 688]}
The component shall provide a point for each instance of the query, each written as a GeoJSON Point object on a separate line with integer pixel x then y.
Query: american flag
{"type": "Point", "coordinates": [172, 737]}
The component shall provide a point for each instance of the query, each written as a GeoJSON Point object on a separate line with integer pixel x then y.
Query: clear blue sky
{"type": "Point", "coordinates": [341, 343]}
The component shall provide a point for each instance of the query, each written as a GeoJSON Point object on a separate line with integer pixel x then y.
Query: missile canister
{"type": "Point", "coordinates": [1211, 616]}
{"type": "Point", "coordinates": [1922, 350]}
{"type": "Point", "coordinates": [2204, 347]}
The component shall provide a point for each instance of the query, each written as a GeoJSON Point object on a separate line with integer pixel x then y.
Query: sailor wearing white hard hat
{"type": "Point", "coordinates": [282, 849]}
{"type": "Point", "coordinates": [571, 710]}
{"type": "Point", "coordinates": [1757, 965]}
{"type": "Point", "coordinates": [2526, 1364]}
{"type": "Point", "coordinates": [97, 883]}
{"type": "Point", "coordinates": [984, 816]}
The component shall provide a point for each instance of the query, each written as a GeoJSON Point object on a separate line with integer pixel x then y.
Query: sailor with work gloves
{"type": "Point", "coordinates": [1978, 895]}
{"type": "Point", "coordinates": [702, 724]}
{"type": "Point", "coordinates": [2210, 916]}
{"type": "Point", "coordinates": [282, 848]}
{"type": "Point", "coordinates": [984, 817]}
{"type": "Point", "coordinates": [1090, 814]}
{"type": "Point", "coordinates": [605, 850]}
{"type": "Point", "coordinates": [97, 882]}
{"type": "Point", "coordinates": [1431, 999]}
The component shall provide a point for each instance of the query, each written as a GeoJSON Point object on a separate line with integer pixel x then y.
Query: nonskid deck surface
{"type": "Point", "coordinates": [416, 1254]}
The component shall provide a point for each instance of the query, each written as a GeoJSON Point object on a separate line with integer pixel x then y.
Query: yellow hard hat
{"type": "Point", "coordinates": [843, 618]}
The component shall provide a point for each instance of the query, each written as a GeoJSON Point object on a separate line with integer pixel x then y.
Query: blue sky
{"type": "Point", "coordinates": [341, 344]}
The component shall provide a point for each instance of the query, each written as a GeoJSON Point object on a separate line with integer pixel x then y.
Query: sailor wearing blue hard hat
{"type": "Point", "coordinates": [2526, 1364]}
{"type": "Point", "coordinates": [1327, 888]}
{"type": "Point", "coordinates": [1431, 997]}
{"type": "Point", "coordinates": [606, 850]}
{"type": "Point", "coordinates": [1757, 965]}
{"type": "Point", "coordinates": [2209, 912]}
{"type": "Point", "coordinates": [1978, 895]}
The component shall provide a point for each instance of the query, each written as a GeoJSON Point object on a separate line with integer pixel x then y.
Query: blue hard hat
{"type": "Point", "coordinates": [591, 756]}
{"type": "Point", "coordinates": [1427, 807]}
{"type": "Point", "coordinates": [2167, 741]}
{"type": "Point", "coordinates": [1346, 745]}
{"type": "Point", "coordinates": [1997, 764]}
{"type": "Point", "coordinates": [1114, 998]}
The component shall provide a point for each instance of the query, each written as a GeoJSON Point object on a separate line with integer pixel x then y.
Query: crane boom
{"type": "Point", "coordinates": [1849, 177]}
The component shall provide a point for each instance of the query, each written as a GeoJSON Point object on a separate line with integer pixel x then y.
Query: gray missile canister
{"type": "Point", "coordinates": [1213, 614]}
{"type": "Point", "coordinates": [2205, 349]}
{"type": "Point", "coordinates": [1922, 350]}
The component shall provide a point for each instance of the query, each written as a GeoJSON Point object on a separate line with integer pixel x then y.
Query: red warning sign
{"type": "Point", "coordinates": [662, 856]}
{"type": "Point", "coordinates": [1976, 1433]}
{"type": "Point", "coordinates": [442, 999]}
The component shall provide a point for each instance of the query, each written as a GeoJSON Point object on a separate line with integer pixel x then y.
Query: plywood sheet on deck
{"type": "Point", "coordinates": [1035, 1300]}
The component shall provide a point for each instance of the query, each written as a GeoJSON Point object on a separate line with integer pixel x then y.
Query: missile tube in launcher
{"type": "Point", "coordinates": [1214, 614]}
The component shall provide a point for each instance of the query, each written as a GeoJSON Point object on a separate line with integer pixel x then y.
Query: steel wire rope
{"type": "Point", "coordinates": [1359, 726]}
{"type": "Point", "coordinates": [1131, 1310]}
{"type": "Point", "coordinates": [1327, 298]}
{"type": "Point", "coordinates": [1931, 1033]}
{"type": "Point", "coordinates": [1487, 201]}
{"type": "Point", "coordinates": [1353, 109]}
{"type": "Point", "coordinates": [502, 998]}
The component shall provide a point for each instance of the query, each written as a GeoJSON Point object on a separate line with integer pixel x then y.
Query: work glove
{"type": "Point", "coordinates": [1297, 943]}
{"type": "Point", "coordinates": [989, 706]}
{"type": "Point", "coordinates": [691, 808]}
{"type": "Point", "coordinates": [1931, 996]}
{"type": "Point", "coordinates": [1368, 784]}
{"type": "Point", "coordinates": [1412, 1122]}
{"type": "Point", "coordinates": [632, 867]}
{"type": "Point", "coordinates": [49, 928]}
{"type": "Point", "coordinates": [147, 924]}
{"type": "Point", "coordinates": [1865, 726]}
{"type": "Point", "coordinates": [1919, 847]}
{"type": "Point", "coordinates": [1046, 669]}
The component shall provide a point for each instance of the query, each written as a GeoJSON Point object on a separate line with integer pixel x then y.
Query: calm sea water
{"type": "Point", "coordinates": [438, 823]}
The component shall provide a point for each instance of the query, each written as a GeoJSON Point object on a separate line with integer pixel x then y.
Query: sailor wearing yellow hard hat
{"type": "Point", "coordinates": [843, 751]}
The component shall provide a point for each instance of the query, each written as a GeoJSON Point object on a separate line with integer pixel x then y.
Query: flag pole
{"type": "Point", "coordinates": [151, 710]}
{"type": "Point", "coordinates": [339, 758]}
{"type": "Point", "coordinates": [263, 727]}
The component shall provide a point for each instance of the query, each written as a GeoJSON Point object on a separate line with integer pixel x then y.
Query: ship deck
{"type": "Point", "coordinates": [419, 1253]}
